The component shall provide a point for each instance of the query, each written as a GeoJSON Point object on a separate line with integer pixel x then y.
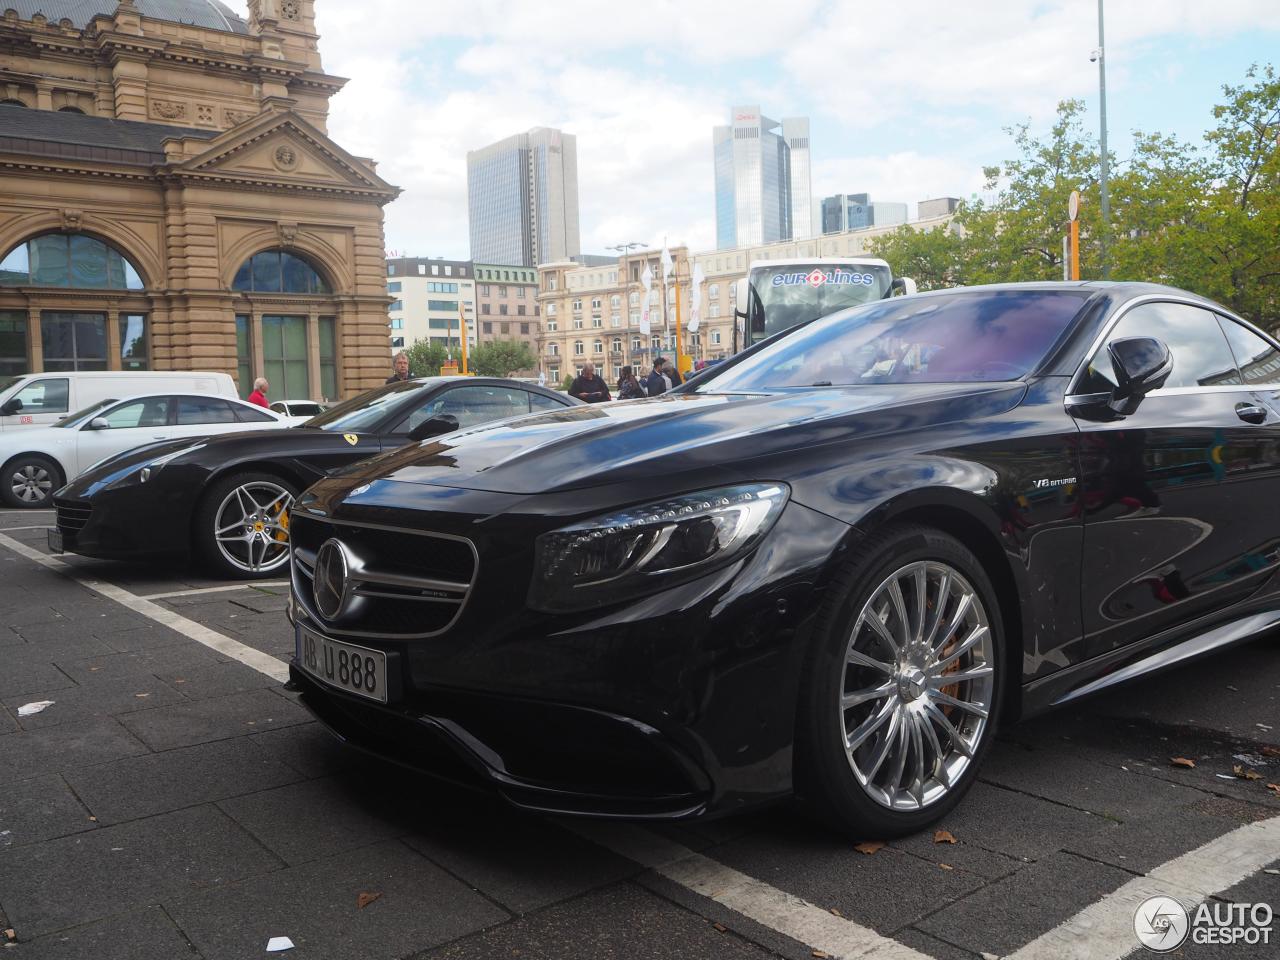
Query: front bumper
{"type": "Point", "coordinates": [121, 525]}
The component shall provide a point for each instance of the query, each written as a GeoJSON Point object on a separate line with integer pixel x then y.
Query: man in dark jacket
{"type": "Point", "coordinates": [400, 368]}
{"type": "Point", "coordinates": [588, 387]}
{"type": "Point", "coordinates": [657, 381]}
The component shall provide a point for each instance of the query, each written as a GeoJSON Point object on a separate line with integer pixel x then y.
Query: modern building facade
{"type": "Point", "coordinates": [762, 172]}
{"type": "Point", "coordinates": [522, 199]}
{"type": "Point", "coordinates": [507, 304]}
{"type": "Point", "coordinates": [856, 211]}
{"type": "Point", "coordinates": [430, 297]}
{"type": "Point", "coordinates": [172, 201]}
{"type": "Point", "coordinates": [939, 207]}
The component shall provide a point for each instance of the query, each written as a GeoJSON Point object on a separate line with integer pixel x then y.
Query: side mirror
{"type": "Point", "coordinates": [10, 406]}
{"type": "Point", "coordinates": [435, 427]}
{"type": "Point", "coordinates": [741, 290]}
{"type": "Point", "coordinates": [902, 287]}
{"type": "Point", "coordinates": [99, 423]}
{"type": "Point", "coordinates": [1141, 364]}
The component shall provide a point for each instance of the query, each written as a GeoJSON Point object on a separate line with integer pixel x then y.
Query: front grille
{"type": "Point", "coordinates": [402, 583]}
{"type": "Point", "coordinates": [72, 514]}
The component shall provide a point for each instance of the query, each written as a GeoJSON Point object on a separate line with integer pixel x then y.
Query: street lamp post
{"type": "Point", "coordinates": [623, 250]}
{"type": "Point", "coordinates": [1105, 205]}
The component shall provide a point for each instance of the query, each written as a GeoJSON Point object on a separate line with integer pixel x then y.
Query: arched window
{"type": "Point", "coordinates": [71, 110]}
{"type": "Point", "coordinates": [11, 103]}
{"type": "Point", "coordinates": [277, 271]}
{"type": "Point", "coordinates": [68, 260]}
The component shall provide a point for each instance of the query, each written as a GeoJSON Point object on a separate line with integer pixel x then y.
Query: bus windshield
{"type": "Point", "coordinates": [795, 293]}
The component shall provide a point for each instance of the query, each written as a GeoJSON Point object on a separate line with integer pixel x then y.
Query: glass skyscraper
{"type": "Point", "coordinates": [522, 199]}
{"type": "Point", "coordinates": [762, 179]}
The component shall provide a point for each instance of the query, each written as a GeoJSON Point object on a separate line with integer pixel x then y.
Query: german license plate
{"type": "Point", "coordinates": [346, 666]}
{"type": "Point", "coordinates": [55, 540]}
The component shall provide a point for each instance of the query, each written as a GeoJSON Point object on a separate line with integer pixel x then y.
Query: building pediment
{"type": "Point", "coordinates": [276, 149]}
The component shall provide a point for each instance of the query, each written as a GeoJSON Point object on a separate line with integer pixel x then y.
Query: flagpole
{"type": "Point", "coordinates": [462, 330]}
{"type": "Point", "coordinates": [679, 340]}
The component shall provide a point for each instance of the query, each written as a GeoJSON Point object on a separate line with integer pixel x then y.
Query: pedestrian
{"type": "Point", "coordinates": [658, 382]}
{"type": "Point", "coordinates": [588, 387]}
{"type": "Point", "coordinates": [672, 374]}
{"type": "Point", "coordinates": [399, 368]}
{"type": "Point", "coordinates": [629, 388]}
{"type": "Point", "coordinates": [259, 395]}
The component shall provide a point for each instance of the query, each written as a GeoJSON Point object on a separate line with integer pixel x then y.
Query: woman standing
{"type": "Point", "coordinates": [629, 388]}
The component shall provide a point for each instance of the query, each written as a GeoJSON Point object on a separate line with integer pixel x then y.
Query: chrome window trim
{"type": "Point", "coordinates": [322, 625]}
{"type": "Point", "coordinates": [1073, 399]}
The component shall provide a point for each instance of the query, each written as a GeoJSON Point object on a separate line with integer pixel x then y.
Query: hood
{"type": "Point", "coordinates": [590, 445]}
{"type": "Point", "coordinates": [22, 439]}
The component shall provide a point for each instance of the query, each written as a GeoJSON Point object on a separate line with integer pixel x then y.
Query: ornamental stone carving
{"type": "Point", "coordinates": [233, 118]}
{"type": "Point", "coordinates": [290, 10]}
{"type": "Point", "coordinates": [71, 219]}
{"type": "Point", "coordinates": [286, 157]}
{"type": "Point", "coordinates": [169, 109]}
{"type": "Point", "coordinates": [204, 113]}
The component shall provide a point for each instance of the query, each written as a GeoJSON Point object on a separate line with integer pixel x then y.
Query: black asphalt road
{"type": "Point", "coordinates": [174, 803]}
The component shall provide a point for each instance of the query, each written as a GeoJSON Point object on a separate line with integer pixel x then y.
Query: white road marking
{"type": "Point", "coordinates": [262, 662]}
{"type": "Point", "coordinates": [196, 591]}
{"type": "Point", "coordinates": [1104, 931]}
{"type": "Point", "coordinates": [38, 526]}
{"type": "Point", "coordinates": [789, 915]}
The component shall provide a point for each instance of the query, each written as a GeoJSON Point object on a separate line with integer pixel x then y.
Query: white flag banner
{"type": "Point", "coordinates": [647, 279]}
{"type": "Point", "coordinates": [666, 265]}
{"type": "Point", "coordinates": [695, 298]}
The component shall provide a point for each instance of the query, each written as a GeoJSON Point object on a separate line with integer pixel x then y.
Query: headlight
{"type": "Point", "coordinates": [650, 547]}
{"type": "Point", "coordinates": [144, 471]}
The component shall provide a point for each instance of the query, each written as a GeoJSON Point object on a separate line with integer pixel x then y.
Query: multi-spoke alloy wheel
{"type": "Point", "coordinates": [903, 685]}
{"type": "Point", "coordinates": [251, 526]}
{"type": "Point", "coordinates": [918, 685]}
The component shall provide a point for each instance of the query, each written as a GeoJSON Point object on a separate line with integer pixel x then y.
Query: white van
{"type": "Point", "coordinates": [42, 399]}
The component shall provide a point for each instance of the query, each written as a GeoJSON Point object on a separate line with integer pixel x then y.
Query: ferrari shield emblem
{"type": "Point", "coordinates": [351, 438]}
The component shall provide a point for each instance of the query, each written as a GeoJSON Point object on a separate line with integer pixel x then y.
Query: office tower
{"type": "Point", "coordinates": [522, 198]}
{"type": "Point", "coordinates": [762, 179]}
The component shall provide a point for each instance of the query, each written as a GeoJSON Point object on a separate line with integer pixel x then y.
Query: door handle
{"type": "Point", "coordinates": [1251, 413]}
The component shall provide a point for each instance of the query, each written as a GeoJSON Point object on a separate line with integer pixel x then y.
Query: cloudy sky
{"type": "Point", "coordinates": [907, 99]}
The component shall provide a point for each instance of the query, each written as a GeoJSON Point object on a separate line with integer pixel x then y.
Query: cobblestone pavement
{"type": "Point", "coordinates": [175, 803]}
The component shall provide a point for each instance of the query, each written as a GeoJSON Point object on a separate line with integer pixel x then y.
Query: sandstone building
{"type": "Point", "coordinates": [171, 199]}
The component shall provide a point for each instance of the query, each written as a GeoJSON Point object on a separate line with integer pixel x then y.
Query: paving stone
{"type": "Point", "coordinates": [307, 747]}
{"type": "Point", "coordinates": [146, 934]}
{"type": "Point", "coordinates": [200, 681]}
{"type": "Point", "coordinates": [20, 675]}
{"type": "Point", "coordinates": [142, 636]}
{"type": "Point", "coordinates": [886, 890]}
{"type": "Point", "coordinates": [962, 854]}
{"type": "Point", "coordinates": [109, 697]}
{"type": "Point", "coordinates": [30, 615]}
{"type": "Point", "coordinates": [38, 809]}
{"type": "Point", "coordinates": [73, 880]}
{"type": "Point", "coordinates": [262, 603]}
{"type": "Point", "coordinates": [932, 947]}
{"type": "Point", "coordinates": [315, 906]}
{"type": "Point", "coordinates": [67, 747]}
{"type": "Point", "coordinates": [183, 725]}
{"type": "Point", "coordinates": [135, 787]}
{"type": "Point", "coordinates": [317, 818]}
{"type": "Point", "coordinates": [521, 861]}
{"type": "Point", "coordinates": [160, 662]}
{"type": "Point", "coordinates": [8, 721]}
{"type": "Point", "coordinates": [1002, 916]}
{"type": "Point", "coordinates": [1141, 846]}
{"type": "Point", "coordinates": [68, 644]}
{"type": "Point", "coordinates": [1015, 824]}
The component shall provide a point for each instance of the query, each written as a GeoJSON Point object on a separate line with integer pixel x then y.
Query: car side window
{"type": "Point", "coordinates": [1201, 357]}
{"type": "Point", "coordinates": [147, 412]}
{"type": "Point", "coordinates": [1258, 360]}
{"type": "Point", "coordinates": [249, 414]}
{"type": "Point", "coordinates": [472, 405]}
{"type": "Point", "coordinates": [538, 402]}
{"type": "Point", "coordinates": [44, 396]}
{"type": "Point", "coordinates": [198, 410]}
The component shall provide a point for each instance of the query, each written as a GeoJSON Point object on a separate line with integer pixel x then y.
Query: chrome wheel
{"type": "Point", "coordinates": [251, 526]}
{"type": "Point", "coordinates": [918, 685]}
{"type": "Point", "coordinates": [31, 483]}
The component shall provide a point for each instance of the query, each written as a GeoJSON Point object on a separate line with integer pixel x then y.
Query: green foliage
{"type": "Point", "coordinates": [426, 358]}
{"type": "Point", "coordinates": [501, 358]}
{"type": "Point", "coordinates": [1204, 218]}
{"type": "Point", "coordinates": [567, 383]}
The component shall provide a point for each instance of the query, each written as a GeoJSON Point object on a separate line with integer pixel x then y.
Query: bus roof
{"type": "Point", "coordinates": [820, 261]}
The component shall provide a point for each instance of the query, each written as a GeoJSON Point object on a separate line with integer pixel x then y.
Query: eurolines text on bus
{"type": "Point", "coordinates": [816, 278]}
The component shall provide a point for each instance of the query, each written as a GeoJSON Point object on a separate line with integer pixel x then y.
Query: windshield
{"type": "Point", "coordinates": [962, 337]}
{"type": "Point", "coordinates": [360, 413]}
{"type": "Point", "coordinates": [83, 416]}
{"type": "Point", "coordinates": [791, 294]}
{"type": "Point", "coordinates": [7, 382]}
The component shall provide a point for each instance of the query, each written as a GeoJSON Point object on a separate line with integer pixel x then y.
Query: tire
{"type": "Point", "coordinates": [866, 713]}
{"type": "Point", "coordinates": [241, 513]}
{"type": "Point", "coordinates": [29, 481]}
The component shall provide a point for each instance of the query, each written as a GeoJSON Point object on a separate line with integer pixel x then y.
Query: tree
{"type": "Point", "coordinates": [501, 358]}
{"type": "Point", "coordinates": [426, 358]}
{"type": "Point", "coordinates": [932, 258]}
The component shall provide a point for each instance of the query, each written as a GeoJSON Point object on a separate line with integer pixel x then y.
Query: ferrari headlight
{"type": "Point", "coordinates": [649, 547]}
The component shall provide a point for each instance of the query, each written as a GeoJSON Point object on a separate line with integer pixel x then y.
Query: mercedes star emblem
{"type": "Point", "coordinates": [330, 587]}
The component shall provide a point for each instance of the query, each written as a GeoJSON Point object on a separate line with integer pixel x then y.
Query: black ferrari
{"type": "Point", "coordinates": [829, 566]}
{"type": "Point", "coordinates": [224, 500]}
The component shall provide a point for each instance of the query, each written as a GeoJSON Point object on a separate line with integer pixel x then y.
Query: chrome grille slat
{"type": "Point", "coordinates": [72, 516]}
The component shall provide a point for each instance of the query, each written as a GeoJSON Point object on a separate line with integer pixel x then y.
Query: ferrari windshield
{"type": "Point", "coordinates": [961, 337]}
{"type": "Point", "coordinates": [362, 412]}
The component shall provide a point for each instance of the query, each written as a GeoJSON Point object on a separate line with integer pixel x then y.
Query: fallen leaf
{"type": "Point", "coordinates": [1271, 751]}
{"type": "Point", "coordinates": [1183, 762]}
{"type": "Point", "coordinates": [11, 935]}
{"type": "Point", "coordinates": [1275, 787]}
{"type": "Point", "coordinates": [94, 819]}
{"type": "Point", "coordinates": [943, 836]}
{"type": "Point", "coordinates": [179, 680]}
{"type": "Point", "coordinates": [141, 695]}
{"type": "Point", "coordinates": [821, 954]}
{"type": "Point", "coordinates": [836, 912]}
{"type": "Point", "coordinates": [720, 927]}
{"type": "Point", "coordinates": [94, 669]}
{"type": "Point", "coordinates": [365, 899]}
{"type": "Point", "coordinates": [1244, 774]}
{"type": "Point", "coordinates": [946, 866]}
{"type": "Point", "coordinates": [869, 846]}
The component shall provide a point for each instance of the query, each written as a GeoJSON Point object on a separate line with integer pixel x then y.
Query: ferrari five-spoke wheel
{"type": "Point", "coordinates": [242, 525]}
{"type": "Point", "coordinates": [918, 685]}
{"type": "Point", "coordinates": [903, 686]}
{"type": "Point", "coordinates": [29, 481]}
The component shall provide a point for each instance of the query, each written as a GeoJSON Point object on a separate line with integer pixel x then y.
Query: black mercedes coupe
{"type": "Point", "coordinates": [828, 566]}
{"type": "Point", "coordinates": [226, 504]}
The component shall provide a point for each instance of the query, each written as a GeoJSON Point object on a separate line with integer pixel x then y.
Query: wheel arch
{"type": "Point", "coordinates": [63, 470]}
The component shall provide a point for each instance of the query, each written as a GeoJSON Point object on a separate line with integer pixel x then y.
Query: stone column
{"type": "Point", "coordinates": [129, 78]}
{"type": "Point", "coordinates": [35, 342]}
{"type": "Point", "coordinates": [313, 351]}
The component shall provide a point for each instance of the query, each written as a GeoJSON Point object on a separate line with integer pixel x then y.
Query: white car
{"type": "Point", "coordinates": [39, 460]}
{"type": "Point", "coordinates": [305, 409]}
{"type": "Point", "coordinates": [42, 399]}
